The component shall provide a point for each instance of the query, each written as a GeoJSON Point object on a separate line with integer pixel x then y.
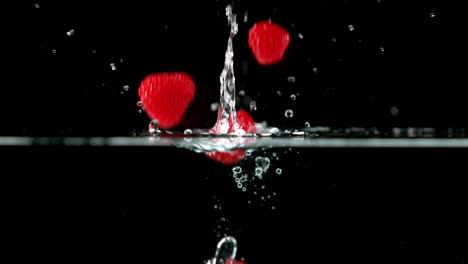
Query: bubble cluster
{"type": "Point", "coordinates": [239, 178]}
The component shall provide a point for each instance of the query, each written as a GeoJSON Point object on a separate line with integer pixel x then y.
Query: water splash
{"type": "Point", "coordinates": [227, 78]}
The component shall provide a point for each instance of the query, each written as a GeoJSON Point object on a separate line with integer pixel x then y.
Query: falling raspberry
{"type": "Point", "coordinates": [244, 124]}
{"type": "Point", "coordinates": [268, 42]}
{"type": "Point", "coordinates": [165, 96]}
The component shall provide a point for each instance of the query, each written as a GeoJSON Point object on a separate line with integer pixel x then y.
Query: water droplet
{"type": "Point", "coordinates": [214, 107]}
{"type": "Point", "coordinates": [113, 66]}
{"type": "Point", "coordinates": [350, 27]}
{"type": "Point", "coordinates": [241, 92]}
{"type": "Point", "coordinates": [253, 105]}
{"type": "Point", "coordinates": [394, 111]}
{"type": "Point", "coordinates": [273, 208]}
{"type": "Point", "coordinates": [54, 51]}
{"type": "Point", "coordinates": [263, 187]}
{"type": "Point", "coordinates": [314, 69]}
{"type": "Point", "coordinates": [307, 124]}
{"type": "Point", "coordinates": [237, 170]}
{"type": "Point", "coordinates": [126, 87]}
{"type": "Point", "coordinates": [293, 97]}
{"type": "Point", "coordinates": [333, 40]}
{"type": "Point", "coordinates": [153, 126]}
{"type": "Point", "coordinates": [93, 51]}
{"type": "Point", "coordinates": [36, 5]}
{"type": "Point", "coordinates": [300, 36]}
{"type": "Point", "coordinates": [278, 171]}
{"type": "Point", "coordinates": [188, 131]}
{"type": "Point", "coordinates": [278, 93]}
{"type": "Point", "coordinates": [139, 104]}
{"type": "Point", "coordinates": [246, 16]}
{"type": "Point", "coordinates": [432, 14]}
{"type": "Point", "coordinates": [382, 49]}
{"type": "Point", "coordinates": [70, 32]}
{"type": "Point", "coordinates": [291, 79]}
{"type": "Point", "coordinates": [140, 111]}
{"type": "Point", "coordinates": [289, 113]}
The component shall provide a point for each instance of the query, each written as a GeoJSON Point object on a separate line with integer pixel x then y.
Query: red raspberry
{"type": "Point", "coordinates": [268, 42]}
{"type": "Point", "coordinates": [165, 96]}
{"type": "Point", "coordinates": [244, 122]}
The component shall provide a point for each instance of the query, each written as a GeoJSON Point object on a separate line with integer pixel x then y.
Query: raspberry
{"type": "Point", "coordinates": [244, 123]}
{"type": "Point", "coordinates": [233, 261]}
{"type": "Point", "coordinates": [268, 42]}
{"type": "Point", "coordinates": [165, 96]}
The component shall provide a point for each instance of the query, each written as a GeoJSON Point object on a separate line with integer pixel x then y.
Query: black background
{"type": "Point", "coordinates": [74, 91]}
{"type": "Point", "coordinates": [158, 205]}
{"type": "Point", "coordinates": [139, 205]}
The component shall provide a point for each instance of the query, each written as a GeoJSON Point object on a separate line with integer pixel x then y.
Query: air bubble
{"type": "Point", "coordinates": [253, 105]}
{"type": "Point", "coordinates": [237, 170]}
{"type": "Point", "coordinates": [262, 162]}
{"type": "Point", "coordinates": [291, 79]}
{"type": "Point", "coordinates": [278, 171]}
{"type": "Point", "coordinates": [113, 66]}
{"type": "Point", "coordinates": [350, 27]}
{"type": "Point", "coordinates": [126, 87]}
{"type": "Point", "coordinates": [239, 185]}
{"type": "Point", "coordinates": [314, 69]}
{"type": "Point", "coordinates": [244, 189]}
{"type": "Point", "coordinates": [241, 92]}
{"type": "Point", "coordinates": [382, 49]}
{"type": "Point", "coordinates": [394, 111]}
{"type": "Point", "coordinates": [246, 16]}
{"type": "Point", "coordinates": [188, 131]}
{"type": "Point", "coordinates": [258, 171]}
{"type": "Point", "coordinates": [289, 113]}
{"type": "Point", "coordinates": [293, 97]}
{"type": "Point", "coordinates": [139, 104]}
{"type": "Point", "coordinates": [36, 5]}
{"type": "Point", "coordinates": [278, 93]}
{"type": "Point", "coordinates": [307, 124]}
{"type": "Point", "coordinates": [300, 36]}
{"type": "Point", "coordinates": [432, 14]}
